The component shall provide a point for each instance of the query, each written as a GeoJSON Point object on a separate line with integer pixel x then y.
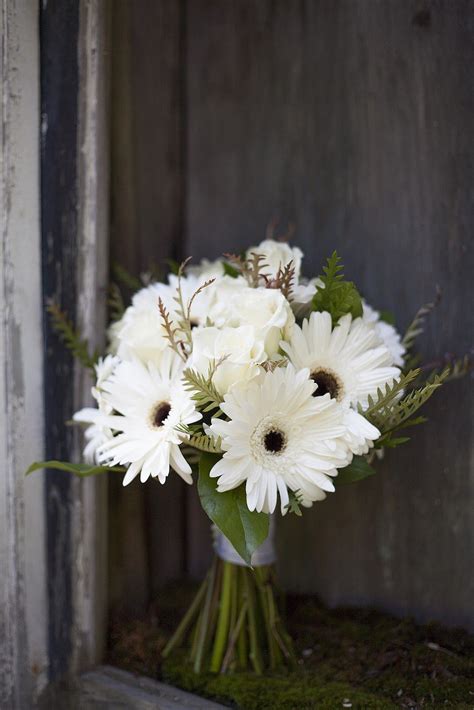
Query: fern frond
{"type": "Point", "coordinates": [401, 413]}
{"type": "Point", "coordinates": [116, 304]}
{"type": "Point", "coordinates": [250, 268]}
{"type": "Point", "coordinates": [379, 407]}
{"type": "Point", "coordinates": [203, 390]}
{"type": "Point", "coordinates": [171, 330]}
{"type": "Point", "coordinates": [272, 365]}
{"type": "Point", "coordinates": [338, 297]}
{"type": "Point", "coordinates": [283, 280]}
{"type": "Point", "coordinates": [460, 368]}
{"type": "Point", "coordinates": [416, 327]}
{"type": "Point", "coordinates": [196, 293]}
{"type": "Point", "coordinates": [205, 443]}
{"type": "Point", "coordinates": [294, 503]}
{"type": "Point", "coordinates": [71, 337]}
{"type": "Point", "coordinates": [125, 278]}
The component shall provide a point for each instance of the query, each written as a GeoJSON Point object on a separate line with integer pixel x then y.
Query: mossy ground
{"type": "Point", "coordinates": [349, 658]}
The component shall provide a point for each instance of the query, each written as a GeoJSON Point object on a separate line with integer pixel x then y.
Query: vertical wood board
{"type": "Point", "coordinates": [23, 601]}
{"type": "Point", "coordinates": [147, 181]}
{"type": "Point", "coordinates": [354, 120]}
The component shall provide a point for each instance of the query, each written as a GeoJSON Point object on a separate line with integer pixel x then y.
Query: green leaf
{"type": "Point", "coordinates": [387, 317]}
{"type": "Point", "coordinates": [173, 266]}
{"type": "Point", "coordinates": [338, 297]}
{"type": "Point", "coordinates": [78, 469]}
{"type": "Point", "coordinates": [244, 529]}
{"type": "Point", "coordinates": [356, 471]}
{"type": "Point", "coordinates": [392, 442]}
{"type": "Point", "coordinates": [230, 270]}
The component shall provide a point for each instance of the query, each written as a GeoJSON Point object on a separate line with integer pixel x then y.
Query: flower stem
{"type": "Point", "coordinates": [255, 654]}
{"type": "Point", "coordinates": [242, 639]}
{"type": "Point", "coordinates": [186, 620]}
{"type": "Point", "coordinates": [224, 618]}
{"type": "Point", "coordinates": [204, 621]}
{"type": "Point", "coordinates": [233, 638]}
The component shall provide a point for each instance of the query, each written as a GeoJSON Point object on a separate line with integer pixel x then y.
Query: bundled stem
{"type": "Point", "coordinates": [234, 622]}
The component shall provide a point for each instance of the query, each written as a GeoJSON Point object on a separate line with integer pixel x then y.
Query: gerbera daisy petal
{"type": "Point", "coordinates": [279, 437]}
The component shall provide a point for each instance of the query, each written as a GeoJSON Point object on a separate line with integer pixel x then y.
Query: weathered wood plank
{"type": "Point", "coordinates": [59, 25]}
{"type": "Point", "coordinates": [23, 599]}
{"type": "Point", "coordinates": [146, 227]}
{"type": "Point", "coordinates": [74, 179]}
{"type": "Point", "coordinates": [353, 119]}
{"type": "Point", "coordinates": [89, 521]}
{"type": "Point", "coordinates": [108, 688]}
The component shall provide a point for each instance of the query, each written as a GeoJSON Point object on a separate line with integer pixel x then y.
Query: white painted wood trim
{"type": "Point", "coordinates": [23, 601]}
{"type": "Point", "coordinates": [89, 519]}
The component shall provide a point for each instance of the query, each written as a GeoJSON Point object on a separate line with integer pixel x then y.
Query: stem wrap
{"type": "Point", "coordinates": [264, 555]}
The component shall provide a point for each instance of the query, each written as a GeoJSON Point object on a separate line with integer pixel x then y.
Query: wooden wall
{"type": "Point", "coordinates": [353, 120]}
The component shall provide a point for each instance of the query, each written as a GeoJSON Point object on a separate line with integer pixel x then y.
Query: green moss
{"type": "Point", "coordinates": [299, 690]}
{"type": "Point", "coordinates": [370, 659]}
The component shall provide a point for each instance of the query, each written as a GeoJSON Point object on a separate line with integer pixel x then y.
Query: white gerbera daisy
{"type": "Point", "coordinates": [279, 437]}
{"type": "Point", "coordinates": [387, 334]}
{"type": "Point", "coordinates": [151, 403]}
{"type": "Point", "coordinates": [346, 361]}
{"type": "Point", "coordinates": [97, 433]}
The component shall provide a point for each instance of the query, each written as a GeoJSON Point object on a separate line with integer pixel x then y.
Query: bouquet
{"type": "Point", "coordinates": [274, 390]}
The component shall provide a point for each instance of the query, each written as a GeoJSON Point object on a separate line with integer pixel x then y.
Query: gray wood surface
{"type": "Point", "coordinates": [107, 688]}
{"type": "Point", "coordinates": [351, 119]}
{"type": "Point", "coordinates": [23, 573]}
{"type": "Point", "coordinates": [146, 544]}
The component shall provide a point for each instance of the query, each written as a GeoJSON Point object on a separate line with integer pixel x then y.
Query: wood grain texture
{"type": "Point", "coordinates": [59, 25]}
{"type": "Point", "coordinates": [89, 521]}
{"type": "Point", "coordinates": [23, 596]}
{"type": "Point", "coordinates": [146, 539]}
{"type": "Point", "coordinates": [354, 120]}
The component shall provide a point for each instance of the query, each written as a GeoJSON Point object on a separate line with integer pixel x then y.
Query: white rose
{"type": "Point", "coordinates": [267, 310]}
{"type": "Point", "coordinates": [221, 295]}
{"type": "Point", "coordinates": [206, 269]}
{"type": "Point", "coordinates": [140, 332]}
{"type": "Point", "coordinates": [278, 255]}
{"type": "Point", "coordinates": [239, 351]}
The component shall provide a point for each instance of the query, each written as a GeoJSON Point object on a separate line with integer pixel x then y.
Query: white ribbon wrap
{"type": "Point", "coordinates": [264, 555]}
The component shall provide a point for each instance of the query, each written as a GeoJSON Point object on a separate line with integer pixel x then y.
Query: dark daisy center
{"type": "Point", "coordinates": [160, 413]}
{"type": "Point", "coordinates": [274, 441]}
{"type": "Point", "coordinates": [327, 384]}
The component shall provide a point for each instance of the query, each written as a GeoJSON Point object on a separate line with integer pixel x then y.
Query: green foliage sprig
{"type": "Point", "coordinates": [416, 327]}
{"type": "Point", "coordinates": [125, 278]}
{"type": "Point", "coordinates": [71, 337]}
{"type": "Point", "coordinates": [294, 503]}
{"type": "Point", "coordinates": [203, 390]}
{"type": "Point", "coordinates": [205, 443]}
{"type": "Point", "coordinates": [116, 303]}
{"type": "Point", "coordinates": [392, 412]}
{"type": "Point", "coordinates": [338, 296]}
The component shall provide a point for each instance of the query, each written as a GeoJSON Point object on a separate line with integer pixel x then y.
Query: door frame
{"type": "Point", "coordinates": [54, 245]}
